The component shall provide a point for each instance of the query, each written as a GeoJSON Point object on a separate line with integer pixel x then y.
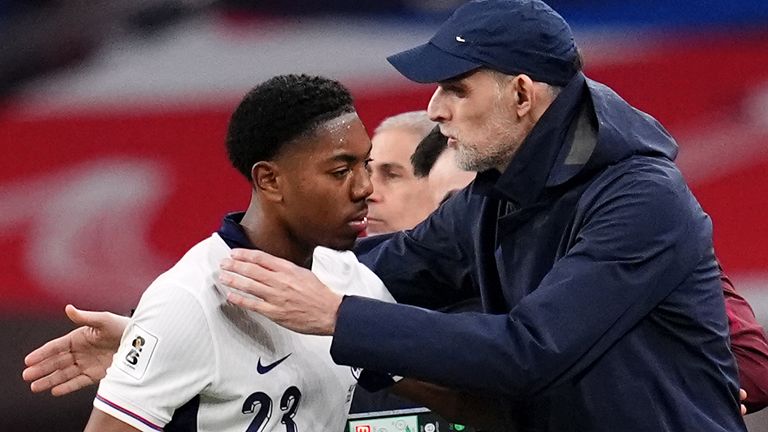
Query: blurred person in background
{"type": "Point", "coordinates": [400, 199]}
{"type": "Point", "coordinates": [412, 170]}
{"type": "Point", "coordinates": [749, 346]}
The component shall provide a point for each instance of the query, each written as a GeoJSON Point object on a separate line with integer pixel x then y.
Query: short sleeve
{"type": "Point", "coordinates": [166, 358]}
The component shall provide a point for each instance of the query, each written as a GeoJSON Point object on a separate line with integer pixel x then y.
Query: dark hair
{"type": "Point", "coordinates": [279, 110]}
{"type": "Point", "coordinates": [427, 151]}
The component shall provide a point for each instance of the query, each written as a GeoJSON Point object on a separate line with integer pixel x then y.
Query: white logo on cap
{"type": "Point", "coordinates": [460, 39]}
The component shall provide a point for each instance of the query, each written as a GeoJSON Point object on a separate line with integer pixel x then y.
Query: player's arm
{"type": "Point", "coordinates": [101, 422]}
{"type": "Point", "coordinates": [78, 359]}
{"type": "Point", "coordinates": [480, 412]}
{"type": "Point", "coordinates": [166, 358]}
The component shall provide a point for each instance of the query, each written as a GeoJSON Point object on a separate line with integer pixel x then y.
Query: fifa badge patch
{"type": "Point", "coordinates": [136, 352]}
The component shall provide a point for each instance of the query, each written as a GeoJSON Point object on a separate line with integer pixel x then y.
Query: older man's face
{"type": "Point", "coordinates": [476, 113]}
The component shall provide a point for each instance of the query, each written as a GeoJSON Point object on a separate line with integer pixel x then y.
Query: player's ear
{"type": "Point", "coordinates": [265, 175]}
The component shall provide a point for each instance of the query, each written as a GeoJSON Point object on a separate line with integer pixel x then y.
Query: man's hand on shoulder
{"type": "Point", "coordinates": [287, 294]}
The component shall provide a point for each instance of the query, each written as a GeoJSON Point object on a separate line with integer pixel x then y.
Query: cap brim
{"type": "Point", "coordinates": [429, 64]}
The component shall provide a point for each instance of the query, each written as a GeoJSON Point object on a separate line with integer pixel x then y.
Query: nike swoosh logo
{"type": "Point", "coordinates": [261, 369]}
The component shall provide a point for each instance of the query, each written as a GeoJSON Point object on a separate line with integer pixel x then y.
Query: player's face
{"type": "Point", "coordinates": [326, 185]}
{"type": "Point", "coordinates": [474, 113]}
{"type": "Point", "coordinates": [400, 199]}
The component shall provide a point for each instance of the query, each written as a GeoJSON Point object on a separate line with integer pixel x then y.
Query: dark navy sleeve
{"type": "Point", "coordinates": [641, 236]}
{"type": "Point", "coordinates": [430, 265]}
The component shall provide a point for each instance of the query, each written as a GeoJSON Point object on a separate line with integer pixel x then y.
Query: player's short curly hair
{"type": "Point", "coordinates": [279, 110]}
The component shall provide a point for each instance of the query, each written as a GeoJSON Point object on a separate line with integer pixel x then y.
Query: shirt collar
{"type": "Point", "coordinates": [233, 233]}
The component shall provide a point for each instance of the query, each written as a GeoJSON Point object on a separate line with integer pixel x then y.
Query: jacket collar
{"type": "Point", "coordinates": [587, 127]}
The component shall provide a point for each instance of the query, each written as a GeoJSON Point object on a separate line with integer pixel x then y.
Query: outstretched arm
{"type": "Point", "coordinates": [78, 359]}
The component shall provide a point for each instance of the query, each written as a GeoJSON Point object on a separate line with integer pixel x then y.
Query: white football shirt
{"type": "Point", "coordinates": [190, 356]}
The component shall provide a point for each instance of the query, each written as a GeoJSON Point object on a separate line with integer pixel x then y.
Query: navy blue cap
{"type": "Point", "coordinates": [509, 36]}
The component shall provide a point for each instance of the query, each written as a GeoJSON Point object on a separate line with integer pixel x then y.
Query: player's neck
{"type": "Point", "coordinates": [267, 235]}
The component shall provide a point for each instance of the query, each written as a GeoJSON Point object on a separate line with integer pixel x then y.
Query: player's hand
{"type": "Point", "coordinates": [79, 358]}
{"type": "Point", "coordinates": [742, 398]}
{"type": "Point", "coordinates": [289, 295]}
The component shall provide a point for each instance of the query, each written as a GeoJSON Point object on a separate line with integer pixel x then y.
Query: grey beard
{"type": "Point", "coordinates": [471, 161]}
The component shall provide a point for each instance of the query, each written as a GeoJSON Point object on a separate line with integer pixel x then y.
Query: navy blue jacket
{"type": "Point", "coordinates": [595, 265]}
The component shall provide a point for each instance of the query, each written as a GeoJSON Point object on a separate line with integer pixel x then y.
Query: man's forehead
{"type": "Point", "coordinates": [342, 123]}
{"type": "Point", "coordinates": [344, 130]}
{"type": "Point", "coordinates": [395, 142]}
{"type": "Point", "coordinates": [340, 138]}
{"type": "Point", "coordinates": [352, 149]}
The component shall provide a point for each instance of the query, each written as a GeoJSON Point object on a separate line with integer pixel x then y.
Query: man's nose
{"type": "Point", "coordinates": [375, 196]}
{"type": "Point", "coordinates": [436, 108]}
{"type": "Point", "coordinates": [363, 187]}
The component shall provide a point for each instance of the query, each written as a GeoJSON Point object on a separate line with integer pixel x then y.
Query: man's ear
{"type": "Point", "coordinates": [524, 94]}
{"type": "Point", "coordinates": [266, 180]}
